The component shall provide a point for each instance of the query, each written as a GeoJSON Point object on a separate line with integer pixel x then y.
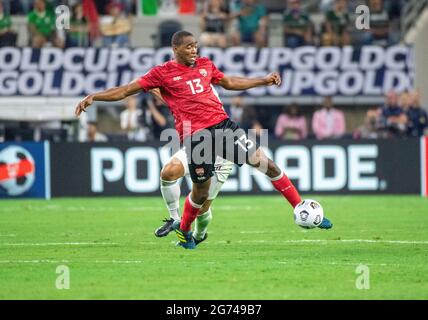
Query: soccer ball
{"type": "Point", "coordinates": [308, 214]}
{"type": "Point", "coordinates": [17, 171]}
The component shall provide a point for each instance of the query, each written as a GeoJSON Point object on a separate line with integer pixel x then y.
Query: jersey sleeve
{"type": "Point", "coordinates": [217, 75]}
{"type": "Point", "coordinates": [150, 80]}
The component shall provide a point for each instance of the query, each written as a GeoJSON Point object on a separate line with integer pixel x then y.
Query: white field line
{"type": "Point", "coordinates": [44, 261]}
{"type": "Point", "coordinates": [384, 241]}
{"type": "Point", "coordinates": [298, 230]}
{"type": "Point", "coordinates": [317, 241]}
{"type": "Point", "coordinates": [323, 241]}
{"type": "Point", "coordinates": [32, 261]}
{"type": "Point", "coordinates": [68, 261]}
{"type": "Point", "coordinates": [333, 263]}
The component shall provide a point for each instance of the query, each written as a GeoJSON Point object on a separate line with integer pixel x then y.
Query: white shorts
{"type": "Point", "coordinates": [222, 170]}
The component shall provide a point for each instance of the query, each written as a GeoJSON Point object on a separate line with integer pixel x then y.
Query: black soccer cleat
{"type": "Point", "coordinates": [199, 241]}
{"type": "Point", "coordinates": [165, 229]}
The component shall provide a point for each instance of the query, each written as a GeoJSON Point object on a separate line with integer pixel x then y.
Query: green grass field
{"type": "Point", "coordinates": [254, 250]}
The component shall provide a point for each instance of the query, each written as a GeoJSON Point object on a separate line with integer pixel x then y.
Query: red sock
{"type": "Point", "coordinates": [284, 185]}
{"type": "Point", "coordinates": [190, 212]}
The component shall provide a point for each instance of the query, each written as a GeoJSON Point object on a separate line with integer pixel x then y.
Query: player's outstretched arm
{"type": "Point", "coordinates": [113, 94]}
{"type": "Point", "coordinates": [240, 83]}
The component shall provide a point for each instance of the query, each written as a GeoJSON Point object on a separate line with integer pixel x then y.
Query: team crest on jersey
{"type": "Point", "coordinates": [203, 72]}
{"type": "Point", "coordinates": [200, 171]}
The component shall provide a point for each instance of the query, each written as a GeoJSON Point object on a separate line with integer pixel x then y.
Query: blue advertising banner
{"type": "Point", "coordinates": [306, 71]}
{"type": "Point", "coordinates": [24, 170]}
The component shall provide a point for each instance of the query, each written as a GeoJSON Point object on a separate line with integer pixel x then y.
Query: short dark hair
{"type": "Point", "coordinates": [177, 38]}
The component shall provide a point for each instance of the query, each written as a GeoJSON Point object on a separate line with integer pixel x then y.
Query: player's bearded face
{"type": "Point", "coordinates": [187, 52]}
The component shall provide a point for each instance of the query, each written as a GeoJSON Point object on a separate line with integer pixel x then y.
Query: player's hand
{"type": "Point", "coordinates": [81, 107]}
{"type": "Point", "coordinates": [273, 78]}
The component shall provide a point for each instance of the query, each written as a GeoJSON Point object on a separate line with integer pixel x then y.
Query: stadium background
{"type": "Point", "coordinates": [114, 149]}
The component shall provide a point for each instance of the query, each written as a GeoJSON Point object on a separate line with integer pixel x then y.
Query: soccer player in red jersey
{"type": "Point", "coordinates": [186, 85]}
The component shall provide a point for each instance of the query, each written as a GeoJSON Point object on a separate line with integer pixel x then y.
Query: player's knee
{"type": "Point", "coordinates": [167, 173]}
{"type": "Point", "coordinates": [200, 196]}
{"type": "Point", "coordinates": [171, 171]}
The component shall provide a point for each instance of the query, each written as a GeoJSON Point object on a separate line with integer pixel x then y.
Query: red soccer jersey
{"type": "Point", "coordinates": [189, 93]}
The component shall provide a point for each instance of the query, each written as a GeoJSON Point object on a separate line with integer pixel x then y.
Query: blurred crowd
{"type": "Point", "coordinates": [401, 116]}
{"type": "Point", "coordinates": [143, 117]}
{"type": "Point", "coordinates": [222, 23]}
{"type": "Point", "coordinates": [89, 20]}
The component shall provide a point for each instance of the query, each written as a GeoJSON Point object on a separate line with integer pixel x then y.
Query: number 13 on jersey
{"type": "Point", "coordinates": [195, 85]}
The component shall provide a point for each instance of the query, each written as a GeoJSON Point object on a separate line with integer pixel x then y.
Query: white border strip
{"type": "Point", "coordinates": [47, 170]}
{"type": "Point", "coordinates": [423, 166]}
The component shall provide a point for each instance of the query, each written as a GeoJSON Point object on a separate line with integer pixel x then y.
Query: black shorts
{"type": "Point", "coordinates": [225, 139]}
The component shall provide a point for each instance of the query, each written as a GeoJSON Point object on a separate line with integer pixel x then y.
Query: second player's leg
{"type": "Point", "coordinates": [175, 169]}
{"type": "Point", "coordinates": [170, 189]}
{"type": "Point", "coordinates": [172, 171]}
{"type": "Point", "coordinates": [202, 221]}
{"type": "Point", "coordinates": [222, 170]}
